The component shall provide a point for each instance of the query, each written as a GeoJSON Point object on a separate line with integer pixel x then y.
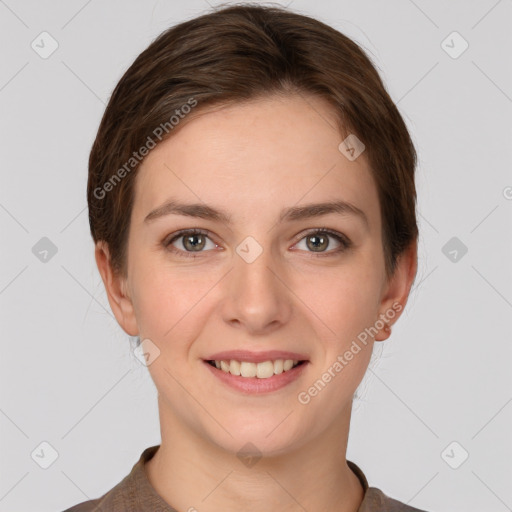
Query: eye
{"type": "Point", "coordinates": [188, 242]}
{"type": "Point", "coordinates": [317, 241]}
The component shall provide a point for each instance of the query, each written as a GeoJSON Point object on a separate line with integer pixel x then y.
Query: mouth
{"type": "Point", "coordinates": [251, 370]}
{"type": "Point", "coordinates": [254, 373]}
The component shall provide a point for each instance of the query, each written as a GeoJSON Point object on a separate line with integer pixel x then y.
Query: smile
{"type": "Point", "coordinates": [263, 370]}
{"type": "Point", "coordinates": [256, 378]}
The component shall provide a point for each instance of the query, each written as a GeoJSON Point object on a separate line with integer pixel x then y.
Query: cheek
{"type": "Point", "coordinates": [345, 299]}
{"type": "Point", "coordinates": [170, 305]}
{"type": "Point", "coordinates": [347, 304]}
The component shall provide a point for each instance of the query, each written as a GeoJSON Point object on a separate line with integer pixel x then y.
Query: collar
{"type": "Point", "coordinates": [148, 499]}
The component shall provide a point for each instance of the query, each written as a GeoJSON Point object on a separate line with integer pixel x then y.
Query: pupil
{"type": "Point", "coordinates": [194, 245]}
{"type": "Point", "coordinates": [320, 242]}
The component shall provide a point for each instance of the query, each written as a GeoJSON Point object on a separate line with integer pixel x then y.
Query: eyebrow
{"type": "Point", "coordinates": [294, 213]}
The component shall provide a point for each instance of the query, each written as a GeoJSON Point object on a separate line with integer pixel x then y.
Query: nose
{"type": "Point", "coordinates": [257, 297]}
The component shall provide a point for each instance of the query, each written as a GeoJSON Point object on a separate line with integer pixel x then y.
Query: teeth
{"type": "Point", "coordinates": [248, 369]}
{"type": "Point", "coordinates": [234, 367]}
{"type": "Point", "coordinates": [265, 370]}
{"type": "Point", "coordinates": [262, 370]}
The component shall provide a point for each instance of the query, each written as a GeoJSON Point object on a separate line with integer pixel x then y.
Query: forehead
{"type": "Point", "coordinates": [272, 152]}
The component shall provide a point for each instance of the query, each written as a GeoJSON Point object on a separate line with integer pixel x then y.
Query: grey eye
{"type": "Point", "coordinates": [191, 242]}
{"type": "Point", "coordinates": [319, 242]}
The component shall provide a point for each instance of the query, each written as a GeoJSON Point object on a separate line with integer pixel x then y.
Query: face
{"type": "Point", "coordinates": [263, 277]}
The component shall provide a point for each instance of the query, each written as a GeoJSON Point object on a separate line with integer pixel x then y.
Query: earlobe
{"type": "Point", "coordinates": [397, 289]}
{"type": "Point", "coordinates": [115, 286]}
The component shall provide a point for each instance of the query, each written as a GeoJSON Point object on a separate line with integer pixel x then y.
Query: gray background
{"type": "Point", "coordinates": [68, 373]}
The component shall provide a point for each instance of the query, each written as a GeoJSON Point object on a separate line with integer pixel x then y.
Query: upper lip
{"type": "Point", "coordinates": [255, 357]}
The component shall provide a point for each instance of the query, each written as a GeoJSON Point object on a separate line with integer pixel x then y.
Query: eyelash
{"type": "Point", "coordinates": [345, 243]}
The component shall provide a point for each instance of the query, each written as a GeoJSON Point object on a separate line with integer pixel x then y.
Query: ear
{"type": "Point", "coordinates": [396, 289]}
{"type": "Point", "coordinates": [116, 288]}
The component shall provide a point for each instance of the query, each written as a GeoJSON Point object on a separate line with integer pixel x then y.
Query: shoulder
{"type": "Point", "coordinates": [119, 499]}
{"type": "Point", "coordinates": [85, 506]}
{"type": "Point", "coordinates": [377, 501]}
{"type": "Point", "coordinates": [128, 494]}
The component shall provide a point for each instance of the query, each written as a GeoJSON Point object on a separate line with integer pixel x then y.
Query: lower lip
{"type": "Point", "coordinates": [253, 385]}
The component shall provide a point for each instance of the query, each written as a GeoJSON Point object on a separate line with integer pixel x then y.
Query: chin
{"type": "Point", "coordinates": [257, 438]}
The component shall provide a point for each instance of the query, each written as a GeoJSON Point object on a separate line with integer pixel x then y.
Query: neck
{"type": "Point", "coordinates": [189, 473]}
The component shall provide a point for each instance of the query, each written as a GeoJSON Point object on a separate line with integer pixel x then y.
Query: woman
{"type": "Point", "coordinates": [251, 196]}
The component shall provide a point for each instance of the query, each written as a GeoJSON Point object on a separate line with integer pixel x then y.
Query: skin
{"type": "Point", "coordinates": [253, 160]}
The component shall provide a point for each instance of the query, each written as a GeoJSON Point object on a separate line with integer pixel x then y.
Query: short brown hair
{"type": "Point", "coordinates": [239, 53]}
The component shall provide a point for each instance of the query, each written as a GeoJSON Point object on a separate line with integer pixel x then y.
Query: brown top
{"type": "Point", "coordinates": [136, 494]}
